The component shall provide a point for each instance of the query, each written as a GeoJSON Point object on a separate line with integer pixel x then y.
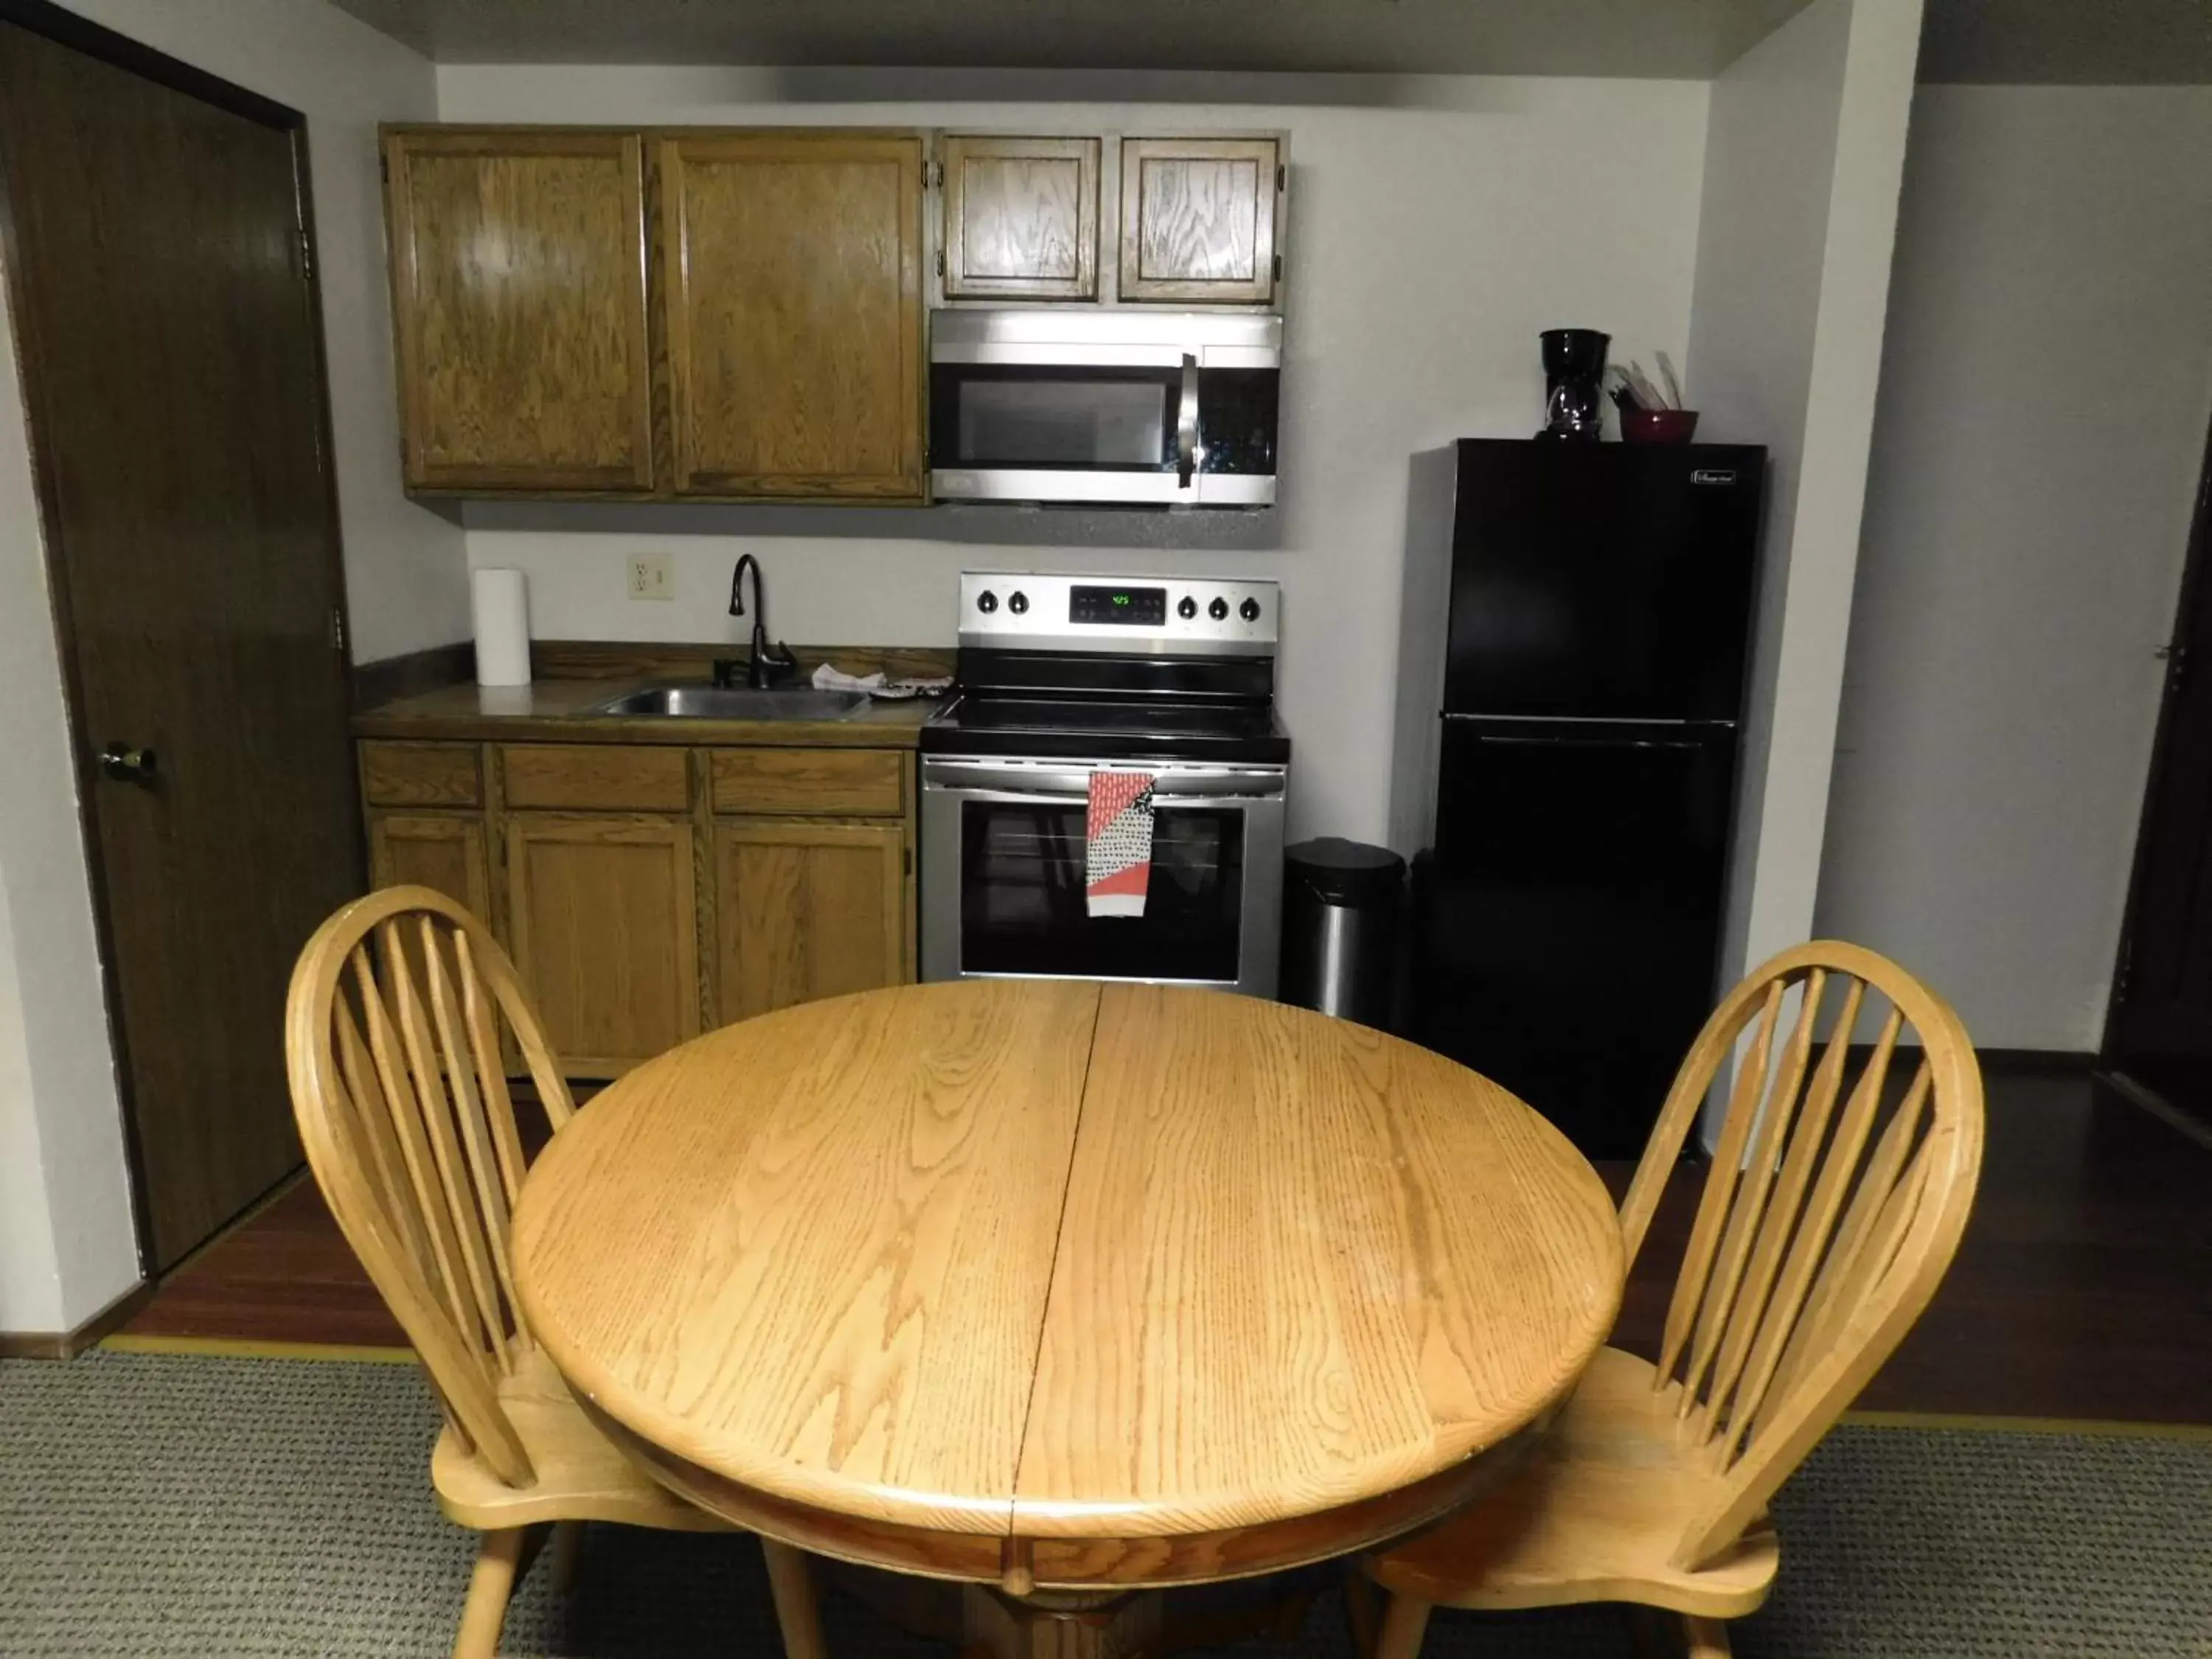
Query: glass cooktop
{"type": "Point", "coordinates": [1106, 729]}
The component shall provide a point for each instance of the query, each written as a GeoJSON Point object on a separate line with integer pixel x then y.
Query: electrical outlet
{"type": "Point", "coordinates": [650, 577]}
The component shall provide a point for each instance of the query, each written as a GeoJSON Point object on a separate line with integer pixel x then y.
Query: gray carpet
{"type": "Point", "coordinates": [158, 1505]}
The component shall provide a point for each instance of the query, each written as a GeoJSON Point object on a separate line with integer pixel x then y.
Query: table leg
{"type": "Point", "coordinates": [1050, 1623]}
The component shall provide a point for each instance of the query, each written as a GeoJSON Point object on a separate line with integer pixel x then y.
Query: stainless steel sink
{"type": "Point", "coordinates": [733, 702]}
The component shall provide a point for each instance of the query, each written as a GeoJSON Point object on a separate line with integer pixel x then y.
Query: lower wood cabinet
{"type": "Point", "coordinates": [602, 917]}
{"type": "Point", "coordinates": [806, 910]}
{"type": "Point", "coordinates": [444, 851]}
{"type": "Point", "coordinates": [648, 892]}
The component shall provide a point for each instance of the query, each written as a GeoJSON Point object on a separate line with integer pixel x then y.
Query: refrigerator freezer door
{"type": "Point", "coordinates": [1607, 582]}
{"type": "Point", "coordinates": [1569, 918]}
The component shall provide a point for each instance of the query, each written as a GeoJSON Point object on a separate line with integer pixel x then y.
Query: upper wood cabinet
{"type": "Point", "coordinates": [519, 309]}
{"type": "Point", "coordinates": [1199, 219]}
{"type": "Point", "coordinates": [790, 265]}
{"type": "Point", "coordinates": [1021, 218]}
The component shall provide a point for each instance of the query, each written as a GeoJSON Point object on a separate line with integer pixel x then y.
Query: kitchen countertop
{"type": "Point", "coordinates": [554, 711]}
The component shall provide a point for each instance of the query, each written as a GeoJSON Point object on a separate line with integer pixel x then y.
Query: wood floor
{"type": "Point", "coordinates": [2083, 1289]}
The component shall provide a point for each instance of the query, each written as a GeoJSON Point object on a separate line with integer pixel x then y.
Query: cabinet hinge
{"type": "Point", "coordinates": [941, 262]}
{"type": "Point", "coordinates": [1282, 178]}
{"type": "Point", "coordinates": [384, 167]}
{"type": "Point", "coordinates": [306, 255]}
{"type": "Point", "coordinates": [932, 175]}
{"type": "Point", "coordinates": [906, 861]}
{"type": "Point", "coordinates": [1279, 267]}
{"type": "Point", "coordinates": [338, 630]}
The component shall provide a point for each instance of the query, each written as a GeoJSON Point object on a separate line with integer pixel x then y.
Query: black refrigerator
{"type": "Point", "coordinates": [1577, 622]}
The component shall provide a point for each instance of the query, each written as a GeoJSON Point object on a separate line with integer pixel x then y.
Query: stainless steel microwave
{"type": "Point", "coordinates": [1170, 408]}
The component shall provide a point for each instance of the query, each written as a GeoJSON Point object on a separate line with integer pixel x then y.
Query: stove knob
{"type": "Point", "coordinates": [986, 602]}
{"type": "Point", "coordinates": [1250, 611]}
{"type": "Point", "coordinates": [1218, 611]}
{"type": "Point", "coordinates": [1187, 608]}
{"type": "Point", "coordinates": [1018, 603]}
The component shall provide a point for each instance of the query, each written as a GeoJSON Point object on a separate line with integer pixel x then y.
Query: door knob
{"type": "Point", "coordinates": [125, 764]}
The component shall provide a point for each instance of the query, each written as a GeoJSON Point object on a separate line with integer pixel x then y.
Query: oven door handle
{"type": "Point", "coordinates": [1033, 798]}
{"type": "Point", "coordinates": [1017, 783]}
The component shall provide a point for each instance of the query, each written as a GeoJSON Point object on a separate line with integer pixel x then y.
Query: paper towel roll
{"type": "Point", "coordinates": [502, 604]}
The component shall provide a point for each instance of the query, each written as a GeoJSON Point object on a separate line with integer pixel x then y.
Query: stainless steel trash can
{"type": "Point", "coordinates": [1341, 900]}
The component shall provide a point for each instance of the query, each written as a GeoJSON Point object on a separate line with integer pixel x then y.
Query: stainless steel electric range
{"type": "Point", "coordinates": [1063, 676]}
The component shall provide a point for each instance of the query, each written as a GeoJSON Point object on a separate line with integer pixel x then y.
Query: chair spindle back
{"type": "Point", "coordinates": [394, 1032]}
{"type": "Point", "coordinates": [1839, 1186]}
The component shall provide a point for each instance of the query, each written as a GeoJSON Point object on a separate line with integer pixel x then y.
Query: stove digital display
{"type": "Point", "coordinates": [1140, 607]}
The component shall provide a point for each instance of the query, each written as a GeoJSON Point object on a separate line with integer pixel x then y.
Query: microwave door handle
{"type": "Point", "coordinates": [1187, 424]}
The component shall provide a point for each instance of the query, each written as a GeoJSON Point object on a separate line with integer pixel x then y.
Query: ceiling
{"type": "Point", "coordinates": [1688, 39]}
{"type": "Point", "coordinates": [2068, 42]}
{"type": "Point", "coordinates": [2090, 42]}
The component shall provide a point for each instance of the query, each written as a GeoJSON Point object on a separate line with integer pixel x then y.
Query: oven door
{"type": "Point", "coordinates": [1002, 875]}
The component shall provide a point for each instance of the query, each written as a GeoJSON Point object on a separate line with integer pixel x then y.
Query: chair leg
{"type": "Point", "coordinates": [1362, 1618]}
{"type": "Point", "coordinates": [1404, 1622]}
{"type": "Point", "coordinates": [567, 1555]}
{"type": "Point", "coordinates": [1704, 1638]}
{"type": "Point", "coordinates": [798, 1610]}
{"type": "Point", "coordinates": [492, 1581]}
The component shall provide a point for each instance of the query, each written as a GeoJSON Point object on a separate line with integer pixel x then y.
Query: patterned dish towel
{"type": "Point", "coordinates": [1117, 859]}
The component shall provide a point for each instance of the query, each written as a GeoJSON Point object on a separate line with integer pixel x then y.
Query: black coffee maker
{"type": "Point", "coordinates": [1574, 377]}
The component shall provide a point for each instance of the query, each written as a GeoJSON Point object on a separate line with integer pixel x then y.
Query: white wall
{"type": "Point", "coordinates": [67, 1246]}
{"type": "Point", "coordinates": [1430, 237]}
{"type": "Point", "coordinates": [2045, 395]}
{"type": "Point", "coordinates": [66, 1241]}
{"type": "Point", "coordinates": [1801, 187]}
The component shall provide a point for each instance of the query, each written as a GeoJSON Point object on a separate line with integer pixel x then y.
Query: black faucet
{"type": "Point", "coordinates": [769, 663]}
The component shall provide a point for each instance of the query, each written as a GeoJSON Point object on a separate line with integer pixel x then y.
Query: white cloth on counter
{"type": "Point", "coordinates": [876, 684]}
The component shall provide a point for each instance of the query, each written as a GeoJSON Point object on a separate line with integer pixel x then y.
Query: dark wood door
{"type": "Point", "coordinates": [170, 343]}
{"type": "Point", "coordinates": [2159, 1029]}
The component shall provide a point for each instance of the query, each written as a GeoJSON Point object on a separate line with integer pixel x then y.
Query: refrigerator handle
{"type": "Point", "coordinates": [1592, 742]}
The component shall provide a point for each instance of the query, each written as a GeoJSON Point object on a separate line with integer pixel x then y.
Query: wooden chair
{"type": "Point", "coordinates": [1820, 1236]}
{"type": "Point", "coordinates": [396, 1031]}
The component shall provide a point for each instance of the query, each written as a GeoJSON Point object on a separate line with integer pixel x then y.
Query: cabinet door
{"type": "Point", "coordinates": [517, 293]}
{"type": "Point", "coordinates": [443, 851]}
{"type": "Point", "coordinates": [808, 910]}
{"type": "Point", "coordinates": [1021, 218]}
{"type": "Point", "coordinates": [603, 925]}
{"type": "Point", "coordinates": [1198, 219]}
{"type": "Point", "coordinates": [791, 266]}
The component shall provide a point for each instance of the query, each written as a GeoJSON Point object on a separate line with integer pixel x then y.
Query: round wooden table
{"type": "Point", "coordinates": [1064, 1288]}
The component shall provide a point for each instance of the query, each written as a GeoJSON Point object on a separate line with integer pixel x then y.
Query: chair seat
{"type": "Point", "coordinates": [1593, 1515]}
{"type": "Point", "coordinates": [581, 1475]}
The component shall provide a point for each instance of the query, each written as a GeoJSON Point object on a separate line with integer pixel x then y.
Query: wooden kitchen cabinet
{"type": "Point", "coordinates": [790, 283]}
{"type": "Point", "coordinates": [1021, 218]}
{"type": "Point", "coordinates": [520, 309]}
{"type": "Point", "coordinates": [444, 851]}
{"type": "Point", "coordinates": [603, 922]}
{"type": "Point", "coordinates": [646, 891]}
{"type": "Point", "coordinates": [1199, 220]}
{"type": "Point", "coordinates": [807, 909]}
